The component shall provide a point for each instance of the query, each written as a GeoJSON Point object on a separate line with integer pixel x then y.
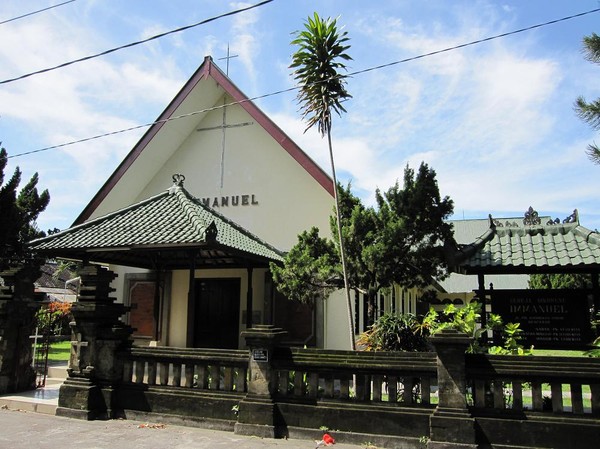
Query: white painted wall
{"type": "Point", "coordinates": [289, 199]}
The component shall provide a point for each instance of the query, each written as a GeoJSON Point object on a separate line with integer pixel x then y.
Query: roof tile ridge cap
{"type": "Point", "coordinates": [94, 221]}
{"type": "Point", "coordinates": [587, 234]}
{"type": "Point", "coordinates": [183, 198]}
{"type": "Point", "coordinates": [233, 224]}
{"type": "Point", "coordinates": [471, 248]}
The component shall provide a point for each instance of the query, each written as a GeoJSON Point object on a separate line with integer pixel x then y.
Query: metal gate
{"type": "Point", "coordinates": [41, 346]}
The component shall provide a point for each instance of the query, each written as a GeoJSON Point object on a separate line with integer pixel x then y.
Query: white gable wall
{"type": "Point", "coordinates": [288, 198]}
{"type": "Point", "coordinates": [277, 198]}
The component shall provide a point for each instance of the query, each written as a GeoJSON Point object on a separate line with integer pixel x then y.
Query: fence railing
{"type": "Point", "coordinates": [379, 377]}
{"type": "Point", "coordinates": [199, 369]}
{"type": "Point", "coordinates": [532, 383]}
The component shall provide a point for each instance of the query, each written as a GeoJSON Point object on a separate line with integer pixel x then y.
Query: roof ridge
{"type": "Point", "coordinates": [183, 191]}
{"type": "Point", "coordinates": [191, 213]}
{"type": "Point", "coordinates": [92, 222]}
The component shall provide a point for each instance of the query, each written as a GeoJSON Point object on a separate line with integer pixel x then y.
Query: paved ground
{"type": "Point", "coordinates": [26, 430]}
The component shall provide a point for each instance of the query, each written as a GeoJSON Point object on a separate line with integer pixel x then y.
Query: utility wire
{"type": "Point", "coordinates": [157, 122]}
{"type": "Point", "coordinates": [133, 44]}
{"type": "Point", "coordinates": [35, 12]}
{"type": "Point", "coordinates": [99, 136]}
{"type": "Point", "coordinates": [479, 41]}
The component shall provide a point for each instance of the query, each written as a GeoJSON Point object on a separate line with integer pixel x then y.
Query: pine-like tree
{"type": "Point", "coordinates": [401, 242]}
{"type": "Point", "coordinates": [18, 213]}
{"type": "Point", "coordinates": [590, 112]}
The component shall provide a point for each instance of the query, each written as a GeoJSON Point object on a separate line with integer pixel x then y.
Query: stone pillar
{"type": "Point", "coordinates": [451, 424]}
{"type": "Point", "coordinates": [95, 369]}
{"type": "Point", "coordinates": [17, 322]}
{"type": "Point", "coordinates": [258, 413]}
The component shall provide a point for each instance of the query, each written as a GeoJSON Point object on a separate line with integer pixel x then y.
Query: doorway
{"type": "Point", "coordinates": [217, 313]}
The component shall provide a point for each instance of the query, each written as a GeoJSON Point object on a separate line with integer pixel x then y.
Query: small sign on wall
{"type": "Point", "coordinates": [260, 355]}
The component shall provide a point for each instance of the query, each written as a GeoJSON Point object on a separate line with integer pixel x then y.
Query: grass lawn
{"type": "Point", "coordinates": [558, 353]}
{"type": "Point", "coordinates": [59, 351]}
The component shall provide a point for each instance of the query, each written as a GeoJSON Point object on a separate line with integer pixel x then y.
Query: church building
{"type": "Point", "coordinates": [227, 162]}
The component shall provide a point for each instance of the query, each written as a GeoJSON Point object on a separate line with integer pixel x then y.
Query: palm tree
{"type": "Point", "coordinates": [590, 112]}
{"type": "Point", "coordinates": [316, 65]}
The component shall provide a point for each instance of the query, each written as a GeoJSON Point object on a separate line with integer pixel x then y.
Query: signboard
{"type": "Point", "coordinates": [260, 355]}
{"type": "Point", "coordinates": [550, 319]}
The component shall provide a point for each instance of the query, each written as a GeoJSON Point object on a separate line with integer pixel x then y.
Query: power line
{"type": "Point", "coordinates": [133, 44]}
{"type": "Point", "coordinates": [121, 131]}
{"type": "Point", "coordinates": [479, 41]}
{"type": "Point", "coordinates": [146, 125]}
{"type": "Point", "coordinates": [35, 12]}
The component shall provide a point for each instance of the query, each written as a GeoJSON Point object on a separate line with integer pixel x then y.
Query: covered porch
{"type": "Point", "coordinates": [188, 275]}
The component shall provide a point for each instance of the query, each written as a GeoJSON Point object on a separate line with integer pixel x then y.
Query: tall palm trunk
{"type": "Point", "coordinates": [342, 247]}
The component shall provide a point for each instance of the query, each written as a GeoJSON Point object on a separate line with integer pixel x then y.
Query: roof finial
{"type": "Point", "coordinates": [178, 179]}
{"type": "Point", "coordinates": [532, 218]}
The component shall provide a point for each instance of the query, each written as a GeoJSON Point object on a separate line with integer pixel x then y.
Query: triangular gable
{"type": "Point", "coordinates": [208, 70]}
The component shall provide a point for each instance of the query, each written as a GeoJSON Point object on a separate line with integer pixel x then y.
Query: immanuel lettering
{"type": "Point", "coordinates": [531, 308]}
{"type": "Point", "coordinates": [232, 200]}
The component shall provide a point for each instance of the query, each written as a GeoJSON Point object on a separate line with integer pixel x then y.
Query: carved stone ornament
{"type": "Point", "coordinates": [178, 179]}
{"type": "Point", "coordinates": [532, 218]}
{"type": "Point", "coordinates": [571, 218]}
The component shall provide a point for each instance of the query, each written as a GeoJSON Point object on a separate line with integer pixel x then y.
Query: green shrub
{"type": "Point", "coordinates": [394, 333]}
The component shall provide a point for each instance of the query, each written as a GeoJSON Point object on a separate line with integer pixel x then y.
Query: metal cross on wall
{"type": "Point", "coordinates": [224, 124]}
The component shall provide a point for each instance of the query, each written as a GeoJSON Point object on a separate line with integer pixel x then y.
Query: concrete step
{"type": "Point", "coordinates": [42, 400]}
{"type": "Point", "coordinates": [57, 371]}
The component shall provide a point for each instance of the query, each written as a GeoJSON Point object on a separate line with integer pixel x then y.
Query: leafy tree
{"type": "Point", "coordinates": [590, 112]}
{"type": "Point", "coordinates": [399, 242]}
{"type": "Point", "coordinates": [310, 271]}
{"type": "Point", "coordinates": [316, 67]}
{"type": "Point", "coordinates": [18, 212]}
{"type": "Point", "coordinates": [559, 281]}
{"type": "Point", "coordinates": [413, 230]}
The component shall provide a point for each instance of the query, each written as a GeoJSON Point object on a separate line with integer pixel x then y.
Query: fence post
{"type": "Point", "coordinates": [257, 414]}
{"type": "Point", "coordinates": [95, 369]}
{"type": "Point", "coordinates": [451, 424]}
{"type": "Point", "coordinates": [17, 319]}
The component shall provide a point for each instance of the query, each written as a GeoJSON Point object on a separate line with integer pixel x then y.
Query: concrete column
{"type": "Point", "coordinates": [95, 369]}
{"type": "Point", "coordinates": [258, 414]}
{"type": "Point", "coordinates": [451, 424]}
{"type": "Point", "coordinates": [17, 323]}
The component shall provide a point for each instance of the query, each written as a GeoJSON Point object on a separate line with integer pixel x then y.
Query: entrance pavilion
{"type": "Point", "coordinates": [554, 247]}
{"type": "Point", "coordinates": [169, 232]}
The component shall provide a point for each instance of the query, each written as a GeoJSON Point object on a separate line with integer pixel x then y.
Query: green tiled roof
{"type": "Point", "coordinates": [172, 222]}
{"type": "Point", "coordinates": [558, 247]}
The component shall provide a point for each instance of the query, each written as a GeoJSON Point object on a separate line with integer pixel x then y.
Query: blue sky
{"type": "Point", "coordinates": [494, 120]}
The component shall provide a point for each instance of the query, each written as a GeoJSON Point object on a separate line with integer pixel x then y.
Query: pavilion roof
{"type": "Point", "coordinates": [553, 247]}
{"type": "Point", "coordinates": [163, 230]}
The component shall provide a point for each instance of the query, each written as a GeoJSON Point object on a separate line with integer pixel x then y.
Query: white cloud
{"type": "Point", "coordinates": [246, 37]}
